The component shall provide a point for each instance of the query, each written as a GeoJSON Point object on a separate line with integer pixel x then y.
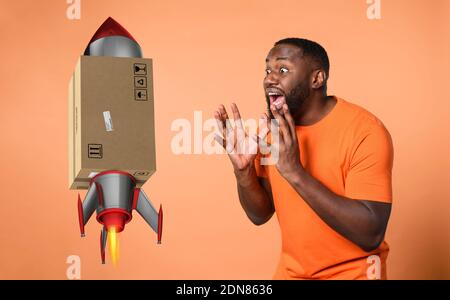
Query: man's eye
{"type": "Point", "coordinates": [268, 71]}
{"type": "Point", "coordinates": [283, 70]}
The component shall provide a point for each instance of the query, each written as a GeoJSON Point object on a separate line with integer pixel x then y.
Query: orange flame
{"type": "Point", "coordinates": [113, 243]}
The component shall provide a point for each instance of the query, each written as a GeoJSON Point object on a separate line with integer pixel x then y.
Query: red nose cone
{"type": "Point", "coordinates": [110, 28]}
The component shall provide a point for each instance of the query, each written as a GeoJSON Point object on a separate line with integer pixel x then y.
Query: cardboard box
{"type": "Point", "coordinates": [111, 119]}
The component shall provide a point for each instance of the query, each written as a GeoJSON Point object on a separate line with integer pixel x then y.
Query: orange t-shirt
{"type": "Point", "coordinates": [351, 153]}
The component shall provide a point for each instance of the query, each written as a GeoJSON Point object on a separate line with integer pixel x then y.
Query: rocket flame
{"type": "Point", "coordinates": [113, 243]}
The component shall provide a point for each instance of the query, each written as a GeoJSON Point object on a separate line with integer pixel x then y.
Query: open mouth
{"type": "Point", "coordinates": [276, 98]}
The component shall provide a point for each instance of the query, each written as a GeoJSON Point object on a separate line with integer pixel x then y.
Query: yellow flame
{"type": "Point", "coordinates": [113, 243]}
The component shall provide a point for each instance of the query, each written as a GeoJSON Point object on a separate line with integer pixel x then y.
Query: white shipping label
{"type": "Point", "coordinates": [108, 120]}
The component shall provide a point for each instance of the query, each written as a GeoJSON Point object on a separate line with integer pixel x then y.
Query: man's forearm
{"type": "Point", "coordinates": [254, 199]}
{"type": "Point", "coordinates": [351, 218]}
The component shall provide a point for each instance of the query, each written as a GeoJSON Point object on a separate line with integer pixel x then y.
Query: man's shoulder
{"type": "Point", "coordinates": [359, 125]}
{"type": "Point", "coordinates": [358, 118]}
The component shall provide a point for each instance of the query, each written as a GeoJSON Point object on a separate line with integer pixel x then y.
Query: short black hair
{"type": "Point", "coordinates": [310, 49]}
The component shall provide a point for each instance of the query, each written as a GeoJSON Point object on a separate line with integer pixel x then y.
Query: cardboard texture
{"type": "Point", "coordinates": [111, 119]}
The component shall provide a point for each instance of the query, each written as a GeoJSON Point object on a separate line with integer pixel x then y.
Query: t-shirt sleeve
{"type": "Point", "coordinates": [370, 172]}
{"type": "Point", "coordinates": [260, 169]}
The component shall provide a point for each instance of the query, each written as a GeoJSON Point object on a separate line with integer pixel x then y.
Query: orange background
{"type": "Point", "coordinates": [206, 53]}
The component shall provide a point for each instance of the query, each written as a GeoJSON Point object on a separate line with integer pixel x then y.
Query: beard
{"type": "Point", "coordinates": [294, 99]}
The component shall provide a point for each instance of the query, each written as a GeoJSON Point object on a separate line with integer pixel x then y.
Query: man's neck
{"type": "Point", "coordinates": [314, 109]}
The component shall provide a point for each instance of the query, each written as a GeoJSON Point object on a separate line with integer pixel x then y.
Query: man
{"type": "Point", "coordinates": [331, 184]}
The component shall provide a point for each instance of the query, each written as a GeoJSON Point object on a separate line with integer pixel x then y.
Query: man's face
{"type": "Point", "coordinates": [287, 77]}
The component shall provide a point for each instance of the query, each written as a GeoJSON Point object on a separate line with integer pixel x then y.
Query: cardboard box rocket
{"type": "Point", "coordinates": [111, 118]}
{"type": "Point", "coordinates": [112, 131]}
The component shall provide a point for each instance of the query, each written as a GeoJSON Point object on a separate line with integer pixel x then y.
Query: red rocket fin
{"type": "Point", "coordinates": [80, 216]}
{"type": "Point", "coordinates": [103, 237]}
{"type": "Point", "coordinates": [160, 223]}
{"type": "Point", "coordinates": [145, 208]}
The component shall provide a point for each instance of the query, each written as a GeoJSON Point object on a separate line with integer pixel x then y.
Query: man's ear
{"type": "Point", "coordinates": [319, 79]}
